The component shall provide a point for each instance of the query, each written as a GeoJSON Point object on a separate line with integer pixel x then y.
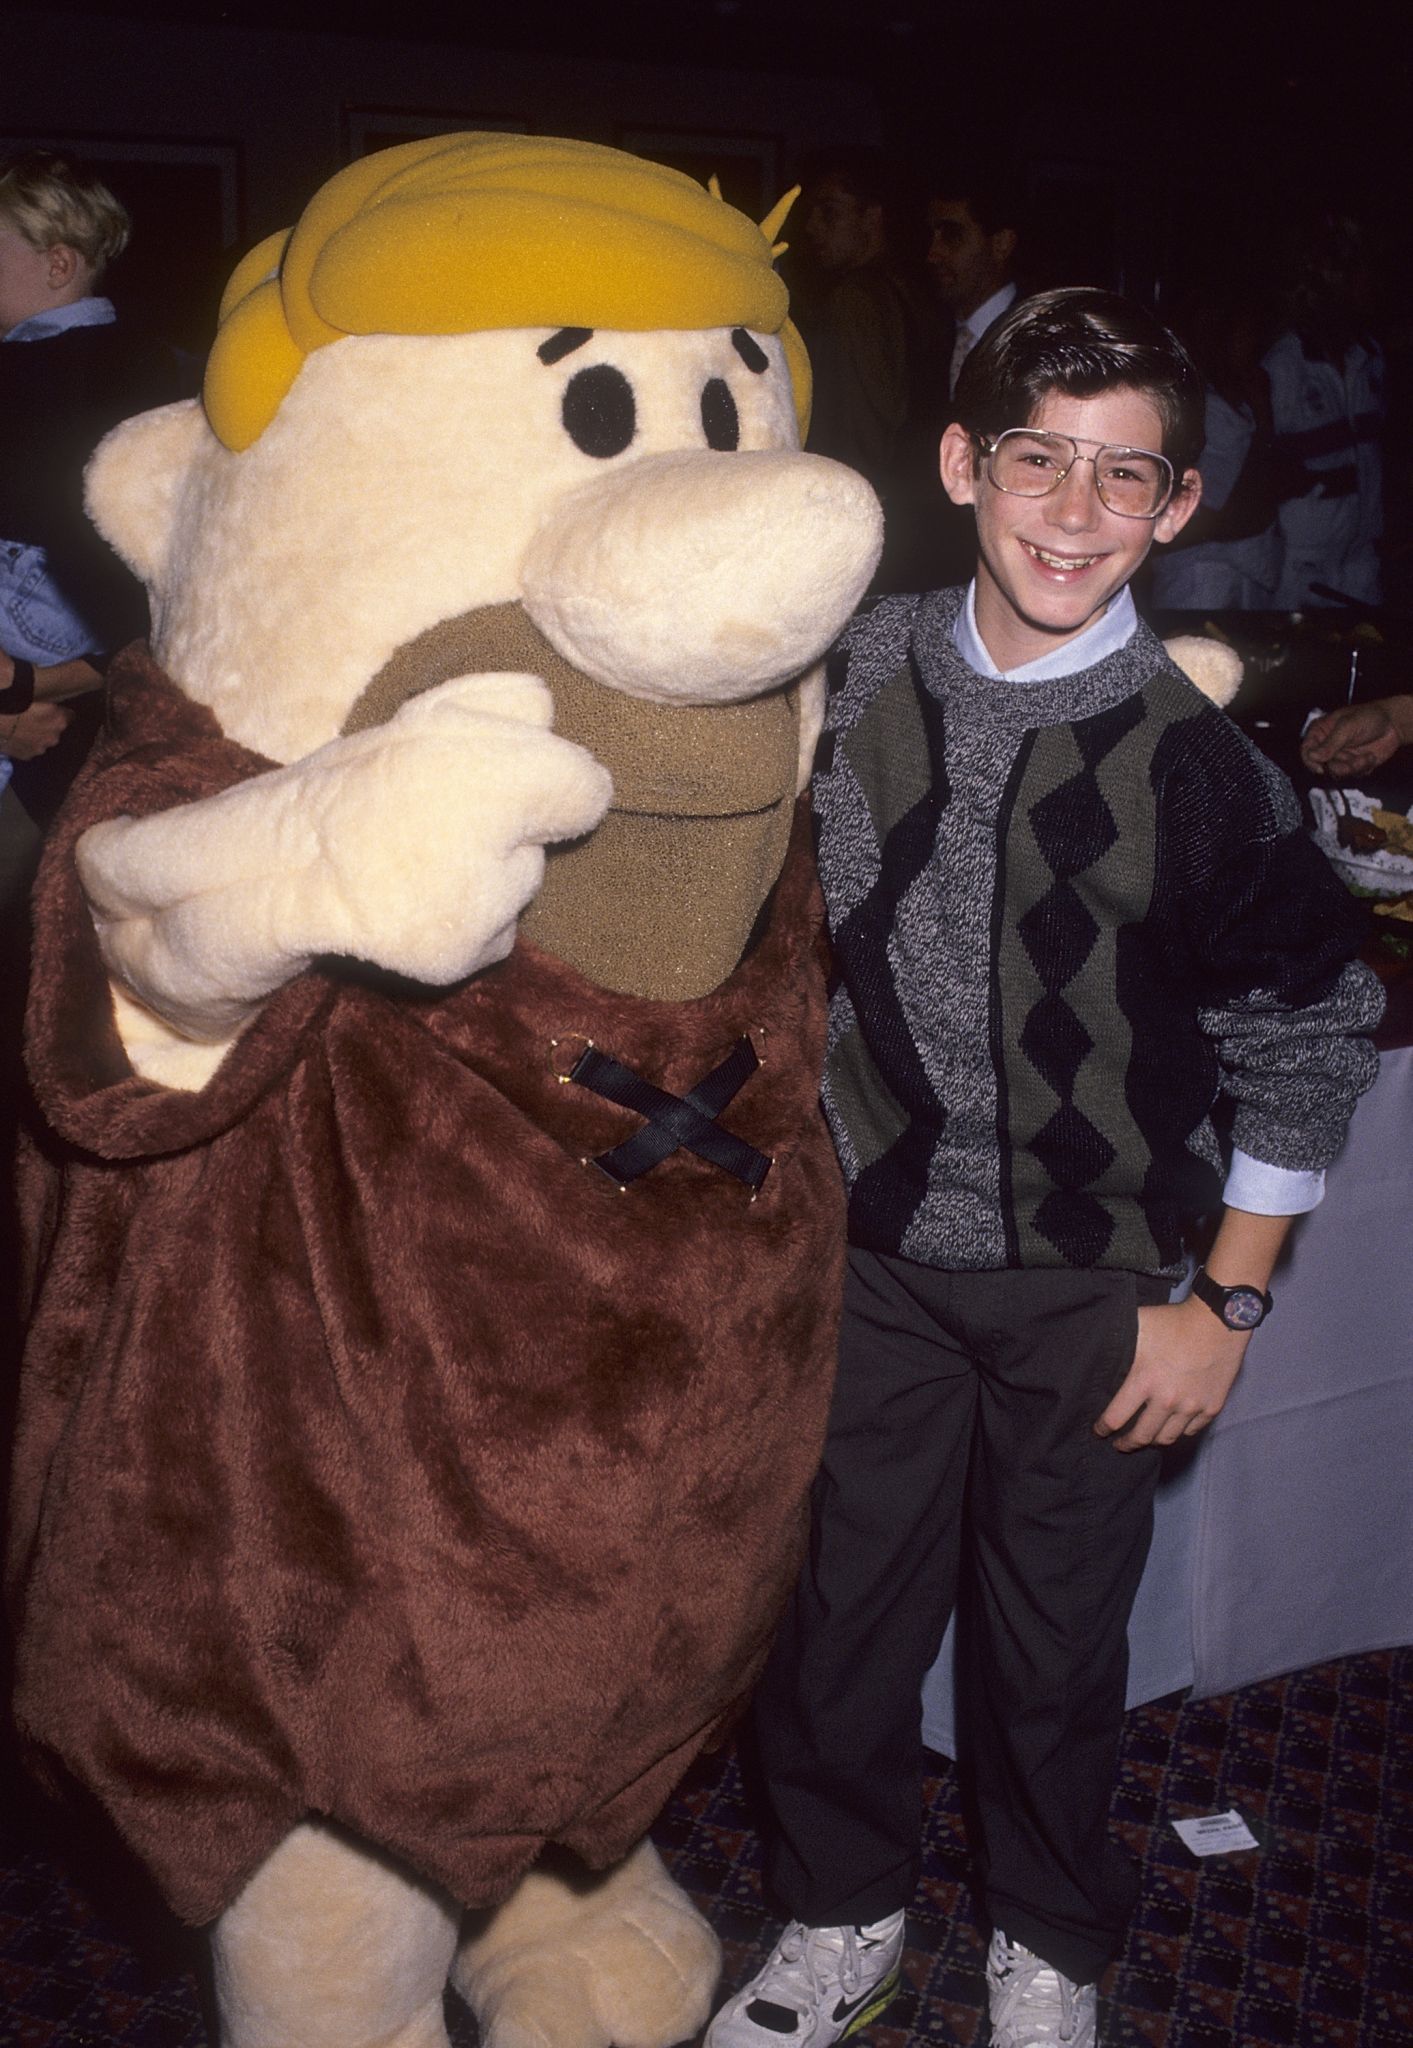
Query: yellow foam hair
{"type": "Point", "coordinates": [256, 267]}
{"type": "Point", "coordinates": [797, 362]}
{"type": "Point", "coordinates": [458, 234]}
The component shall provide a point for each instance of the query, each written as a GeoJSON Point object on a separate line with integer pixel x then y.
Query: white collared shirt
{"type": "Point", "coordinates": [89, 312]}
{"type": "Point", "coordinates": [1113, 629]}
{"type": "Point", "coordinates": [970, 330]}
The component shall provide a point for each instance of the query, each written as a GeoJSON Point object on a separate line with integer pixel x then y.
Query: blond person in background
{"type": "Point", "coordinates": [68, 372]}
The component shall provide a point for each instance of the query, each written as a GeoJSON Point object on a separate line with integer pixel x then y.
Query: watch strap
{"type": "Point", "coordinates": [1217, 1297]}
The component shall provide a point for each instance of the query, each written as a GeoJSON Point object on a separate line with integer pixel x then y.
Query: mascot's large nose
{"type": "Point", "coordinates": [700, 578]}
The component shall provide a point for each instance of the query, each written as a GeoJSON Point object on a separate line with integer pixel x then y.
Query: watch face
{"type": "Point", "coordinates": [1244, 1308]}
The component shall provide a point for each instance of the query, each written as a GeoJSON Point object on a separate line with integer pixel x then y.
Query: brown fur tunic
{"type": "Point", "coordinates": [377, 1458]}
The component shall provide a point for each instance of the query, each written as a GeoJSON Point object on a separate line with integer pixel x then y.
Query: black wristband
{"type": "Point", "coordinates": [20, 693]}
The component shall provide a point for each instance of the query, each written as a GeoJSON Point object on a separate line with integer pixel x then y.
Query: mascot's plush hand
{"type": "Point", "coordinates": [414, 845]}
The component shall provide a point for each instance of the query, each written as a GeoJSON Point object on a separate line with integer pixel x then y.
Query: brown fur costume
{"type": "Point", "coordinates": [353, 1394]}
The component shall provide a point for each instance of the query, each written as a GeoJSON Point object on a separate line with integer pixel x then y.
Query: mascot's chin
{"type": "Point", "coordinates": [434, 1245]}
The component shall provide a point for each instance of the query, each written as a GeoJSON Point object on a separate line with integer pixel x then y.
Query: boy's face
{"type": "Point", "coordinates": [1048, 567]}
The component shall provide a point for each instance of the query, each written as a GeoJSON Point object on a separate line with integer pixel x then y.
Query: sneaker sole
{"type": "Point", "coordinates": [880, 2000]}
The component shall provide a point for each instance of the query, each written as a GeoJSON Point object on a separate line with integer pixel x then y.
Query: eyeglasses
{"type": "Point", "coordinates": [1028, 463]}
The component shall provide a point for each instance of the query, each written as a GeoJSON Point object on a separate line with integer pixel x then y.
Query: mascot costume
{"type": "Point", "coordinates": [433, 1242]}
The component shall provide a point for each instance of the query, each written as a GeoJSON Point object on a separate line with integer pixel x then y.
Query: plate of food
{"type": "Point", "coordinates": [1370, 846]}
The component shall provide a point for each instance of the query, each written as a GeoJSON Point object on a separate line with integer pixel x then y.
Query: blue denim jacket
{"type": "Point", "coordinates": [37, 621]}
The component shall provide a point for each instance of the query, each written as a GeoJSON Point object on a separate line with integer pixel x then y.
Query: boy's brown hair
{"type": "Point", "coordinates": [1082, 341]}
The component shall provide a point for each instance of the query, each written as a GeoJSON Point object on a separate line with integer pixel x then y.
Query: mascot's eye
{"type": "Point", "coordinates": [598, 412]}
{"type": "Point", "coordinates": [720, 420]}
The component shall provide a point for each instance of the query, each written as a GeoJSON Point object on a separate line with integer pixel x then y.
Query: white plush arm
{"type": "Point", "coordinates": [414, 845]}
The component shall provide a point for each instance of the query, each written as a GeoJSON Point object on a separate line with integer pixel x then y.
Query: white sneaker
{"type": "Point", "coordinates": [820, 1984]}
{"type": "Point", "coordinates": [1032, 2005]}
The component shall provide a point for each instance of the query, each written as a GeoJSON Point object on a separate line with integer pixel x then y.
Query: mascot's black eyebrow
{"type": "Point", "coordinates": [563, 344]}
{"type": "Point", "coordinates": [749, 350]}
{"type": "Point", "coordinates": [568, 339]}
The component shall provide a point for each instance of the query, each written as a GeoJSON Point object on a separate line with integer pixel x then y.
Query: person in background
{"type": "Point", "coordinates": [68, 372]}
{"type": "Point", "coordinates": [860, 319]}
{"type": "Point", "coordinates": [874, 341]}
{"type": "Point", "coordinates": [1228, 556]}
{"type": "Point", "coordinates": [975, 236]}
{"type": "Point", "coordinates": [1326, 372]}
{"type": "Point", "coordinates": [1358, 737]}
{"type": "Point", "coordinates": [975, 232]}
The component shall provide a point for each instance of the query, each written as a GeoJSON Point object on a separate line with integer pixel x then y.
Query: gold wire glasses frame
{"type": "Point", "coordinates": [1026, 462]}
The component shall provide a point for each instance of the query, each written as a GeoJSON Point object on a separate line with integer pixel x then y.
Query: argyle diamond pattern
{"type": "Point", "coordinates": [1058, 933]}
{"type": "Point", "coordinates": [1070, 1149]}
{"type": "Point", "coordinates": [1056, 1043]}
{"type": "Point", "coordinates": [1079, 1225]}
{"type": "Point", "coordinates": [1072, 827]}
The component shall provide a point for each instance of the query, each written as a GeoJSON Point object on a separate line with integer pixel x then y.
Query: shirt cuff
{"type": "Point", "coordinates": [1271, 1190]}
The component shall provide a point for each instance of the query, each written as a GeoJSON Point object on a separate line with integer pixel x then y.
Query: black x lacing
{"type": "Point", "coordinates": [674, 1120]}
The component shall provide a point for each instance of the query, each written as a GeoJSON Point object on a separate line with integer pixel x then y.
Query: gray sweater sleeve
{"type": "Point", "coordinates": [1293, 1046]}
{"type": "Point", "coordinates": [1295, 1074]}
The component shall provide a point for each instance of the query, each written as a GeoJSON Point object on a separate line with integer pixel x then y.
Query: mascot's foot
{"type": "Point", "coordinates": [329, 1946]}
{"type": "Point", "coordinates": [624, 1959]}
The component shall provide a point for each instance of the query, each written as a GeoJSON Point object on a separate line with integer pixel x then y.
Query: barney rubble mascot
{"type": "Point", "coordinates": [433, 1242]}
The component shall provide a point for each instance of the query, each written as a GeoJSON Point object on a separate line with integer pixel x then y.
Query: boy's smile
{"type": "Point", "coordinates": [1047, 567]}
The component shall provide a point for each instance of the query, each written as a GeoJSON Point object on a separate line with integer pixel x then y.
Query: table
{"type": "Point", "coordinates": [1283, 1535]}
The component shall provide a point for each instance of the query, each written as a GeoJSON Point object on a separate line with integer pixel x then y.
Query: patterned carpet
{"type": "Point", "coordinates": [1306, 1943]}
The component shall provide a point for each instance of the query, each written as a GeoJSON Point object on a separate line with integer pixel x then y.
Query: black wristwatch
{"type": "Point", "coordinates": [1240, 1308]}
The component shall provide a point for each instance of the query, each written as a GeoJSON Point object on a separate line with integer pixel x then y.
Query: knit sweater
{"type": "Point", "coordinates": [1066, 917]}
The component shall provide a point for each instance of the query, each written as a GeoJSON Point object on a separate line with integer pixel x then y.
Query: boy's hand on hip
{"type": "Point", "coordinates": [1181, 1374]}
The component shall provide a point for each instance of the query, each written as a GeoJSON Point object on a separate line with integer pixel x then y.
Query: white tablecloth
{"type": "Point", "coordinates": [1284, 1535]}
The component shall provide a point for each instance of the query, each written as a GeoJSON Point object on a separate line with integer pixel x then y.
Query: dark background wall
{"type": "Point", "coordinates": [215, 131]}
{"type": "Point", "coordinates": [1161, 145]}
{"type": "Point", "coordinates": [1155, 140]}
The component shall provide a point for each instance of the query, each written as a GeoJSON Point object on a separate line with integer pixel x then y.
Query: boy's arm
{"type": "Point", "coordinates": [1271, 935]}
{"type": "Point", "coordinates": [1187, 1359]}
{"type": "Point", "coordinates": [1293, 1070]}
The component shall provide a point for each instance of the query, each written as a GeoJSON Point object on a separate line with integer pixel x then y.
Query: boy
{"type": "Point", "coordinates": [1069, 906]}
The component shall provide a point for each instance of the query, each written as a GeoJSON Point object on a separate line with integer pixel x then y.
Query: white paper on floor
{"type": "Point", "coordinates": [1216, 1834]}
